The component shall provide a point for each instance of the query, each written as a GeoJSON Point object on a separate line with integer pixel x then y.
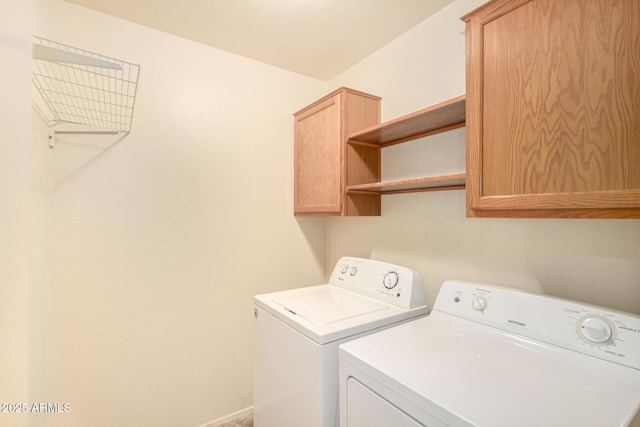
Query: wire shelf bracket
{"type": "Point", "coordinates": [78, 91]}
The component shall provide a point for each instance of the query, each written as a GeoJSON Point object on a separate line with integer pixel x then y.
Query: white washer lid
{"type": "Point", "coordinates": [326, 305]}
{"type": "Point", "coordinates": [327, 313]}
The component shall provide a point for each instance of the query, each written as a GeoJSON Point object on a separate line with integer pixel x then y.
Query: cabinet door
{"type": "Point", "coordinates": [317, 159]}
{"type": "Point", "coordinates": [553, 108]}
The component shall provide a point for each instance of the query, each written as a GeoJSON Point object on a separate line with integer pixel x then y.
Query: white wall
{"type": "Point", "coordinates": [596, 261]}
{"type": "Point", "coordinates": [161, 239]}
{"type": "Point", "coordinates": [24, 198]}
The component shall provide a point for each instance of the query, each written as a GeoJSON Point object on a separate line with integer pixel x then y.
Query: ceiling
{"type": "Point", "coordinates": [317, 38]}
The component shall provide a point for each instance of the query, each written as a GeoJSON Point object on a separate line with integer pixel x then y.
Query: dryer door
{"type": "Point", "coordinates": [367, 409]}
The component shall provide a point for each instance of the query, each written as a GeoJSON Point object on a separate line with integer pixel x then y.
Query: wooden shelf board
{"type": "Point", "coordinates": [431, 183]}
{"type": "Point", "coordinates": [441, 117]}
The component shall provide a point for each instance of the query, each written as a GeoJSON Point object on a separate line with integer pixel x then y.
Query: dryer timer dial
{"type": "Point", "coordinates": [595, 329]}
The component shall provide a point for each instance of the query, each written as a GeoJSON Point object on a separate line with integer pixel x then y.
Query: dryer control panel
{"type": "Point", "coordinates": [391, 283]}
{"type": "Point", "coordinates": [596, 331]}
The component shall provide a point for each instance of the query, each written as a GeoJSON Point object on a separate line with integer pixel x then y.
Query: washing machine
{"type": "Point", "coordinates": [488, 356]}
{"type": "Point", "coordinates": [298, 333]}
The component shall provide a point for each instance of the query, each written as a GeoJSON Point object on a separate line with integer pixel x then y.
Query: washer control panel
{"type": "Point", "coordinates": [596, 331]}
{"type": "Point", "coordinates": [386, 282]}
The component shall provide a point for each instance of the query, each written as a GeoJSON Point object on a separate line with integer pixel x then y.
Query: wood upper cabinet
{"type": "Point", "coordinates": [321, 154]}
{"type": "Point", "coordinates": [553, 108]}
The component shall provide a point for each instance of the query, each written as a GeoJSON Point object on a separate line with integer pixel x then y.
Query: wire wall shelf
{"type": "Point", "coordinates": [84, 92]}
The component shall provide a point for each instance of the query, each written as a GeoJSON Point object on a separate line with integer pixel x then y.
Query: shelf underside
{"type": "Point", "coordinates": [432, 183]}
{"type": "Point", "coordinates": [441, 117]}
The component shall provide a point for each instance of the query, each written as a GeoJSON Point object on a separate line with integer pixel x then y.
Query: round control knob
{"type": "Point", "coordinates": [354, 271]}
{"type": "Point", "coordinates": [344, 269]}
{"type": "Point", "coordinates": [390, 280]}
{"type": "Point", "coordinates": [479, 303]}
{"type": "Point", "coordinates": [595, 329]}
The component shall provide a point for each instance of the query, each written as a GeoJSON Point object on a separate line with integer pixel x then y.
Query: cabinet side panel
{"type": "Point", "coordinates": [362, 163]}
{"type": "Point", "coordinates": [363, 204]}
{"type": "Point", "coordinates": [361, 112]}
{"type": "Point", "coordinates": [561, 98]}
{"type": "Point", "coordinates": [317, 158]}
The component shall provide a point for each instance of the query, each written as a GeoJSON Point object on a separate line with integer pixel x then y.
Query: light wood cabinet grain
{"type": "Point", "coordinates": [553, 108]}
{"type": "Point", "coordinates": [322, 158]}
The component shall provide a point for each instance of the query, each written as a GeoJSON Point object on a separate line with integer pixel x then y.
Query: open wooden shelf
{"type": "Point", "coordinates": [437, 118]}
{"type": "Point", "coordinates": [432, 183]}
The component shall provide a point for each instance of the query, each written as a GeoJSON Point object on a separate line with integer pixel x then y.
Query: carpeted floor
{"type": "Point", "coordinates": [240, 422]}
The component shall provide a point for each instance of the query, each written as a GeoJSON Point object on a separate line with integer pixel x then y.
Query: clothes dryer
{"type": "Point", "coordinates": [494, 357]}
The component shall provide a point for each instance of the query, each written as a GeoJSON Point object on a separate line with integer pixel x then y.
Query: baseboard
{"type": "Point", "coordinates": [220, 421]}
